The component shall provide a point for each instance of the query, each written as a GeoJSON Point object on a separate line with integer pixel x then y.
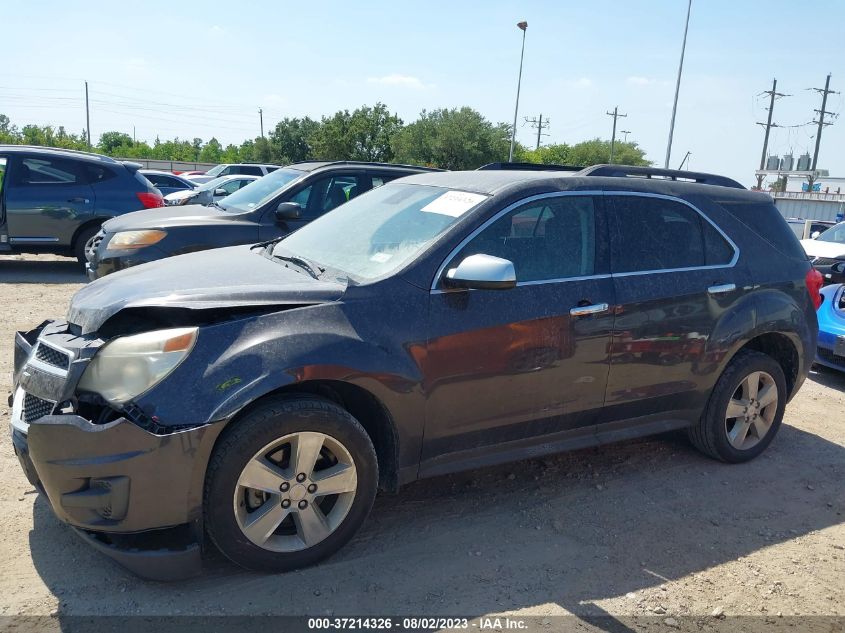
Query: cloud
{"type": "Point", "coordinates": [216, 30]}
{"type": "Point", "coordinates": [636, 80]}
{"type": "Point", "coordinates": [395, 79]}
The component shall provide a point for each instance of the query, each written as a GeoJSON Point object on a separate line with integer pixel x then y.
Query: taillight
{"type": "Point", "coordinates": [150, 200]}
{"type": "Point", "coordinates": [814, 282]}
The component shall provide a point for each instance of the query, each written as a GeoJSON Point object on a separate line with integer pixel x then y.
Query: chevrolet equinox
{"type": "Point", "coordinates": [260, 395]}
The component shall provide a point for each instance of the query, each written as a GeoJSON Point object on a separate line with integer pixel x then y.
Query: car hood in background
{"type": "Point", "coordinates": [815, 248]}
{"type": "Point", "coordinates": [234, 277]}
{"type": "Point", "coordinates": [164, 217]}
{"type": "Point", "coordinates": [176, 196]}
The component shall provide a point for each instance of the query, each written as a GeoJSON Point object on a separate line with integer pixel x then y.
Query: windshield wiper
{"type": "Point", "coordinates": [266, 243]}
{"type": "Point", "coordinates": [303, 263]}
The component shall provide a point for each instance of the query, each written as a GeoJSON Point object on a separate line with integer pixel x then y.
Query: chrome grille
{"type": "Point", "coordinates": [52, 356]}
{"type": "Point", "coordinates": [34, 408]}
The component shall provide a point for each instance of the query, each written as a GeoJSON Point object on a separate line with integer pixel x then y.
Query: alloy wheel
{"type": "Point", "coordinates": [751, 410]}
{"type": "Point", "coordinates": [295, 492]}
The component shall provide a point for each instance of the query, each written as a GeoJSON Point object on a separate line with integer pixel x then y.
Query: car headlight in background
{"type": "Point", "coordinates": [130, 365]}
{"type": "Point", "coordinates": [135, 239]}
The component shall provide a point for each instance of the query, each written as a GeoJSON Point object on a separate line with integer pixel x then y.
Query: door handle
{"type": "Point", "coordinates": [596, 308]}
{"type": "Point", "coordinates": [720, 289]}
{"type": "Point", "coordinates": [83, 200]}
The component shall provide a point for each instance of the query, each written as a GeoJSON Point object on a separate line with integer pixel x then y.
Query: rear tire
{"type": "Point", "coordinates": [745, 409]}
{"type": "Point", "coordinates": [267, 503]}
{"type": "Point", "coordinates": [85, 236]}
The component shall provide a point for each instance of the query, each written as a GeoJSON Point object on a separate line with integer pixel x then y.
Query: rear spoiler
{"type": "Point", "coordinates": [132, 167]}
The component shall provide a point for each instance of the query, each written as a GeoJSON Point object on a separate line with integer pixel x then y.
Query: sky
{"type": "Point", "coordinates": [203, 69]}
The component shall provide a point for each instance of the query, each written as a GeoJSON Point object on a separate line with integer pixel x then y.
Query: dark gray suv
{"type": "Point", "coordinates": [259, 395]}
{"type": "Point", "coordinates": [54, 200]}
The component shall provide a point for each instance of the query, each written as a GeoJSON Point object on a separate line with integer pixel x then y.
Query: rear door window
{"type": "Point", "coordinates": [249, 170]}
{"type": "Point", "coordinates": [48, 171]}
{"type": "Point", "coordinates": [649, 233]}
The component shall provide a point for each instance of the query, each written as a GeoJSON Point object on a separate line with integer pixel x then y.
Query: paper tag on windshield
{"type": "Point", "coordinates": [453, 203]}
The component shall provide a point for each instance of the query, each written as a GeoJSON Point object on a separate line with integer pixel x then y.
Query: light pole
{"type": "Point", "coordinates": [677, 90]}
{"type": "Point", "coordinates": [523, 26]}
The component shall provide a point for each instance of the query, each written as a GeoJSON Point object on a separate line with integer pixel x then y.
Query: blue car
{"type": "Point", "coordinates": [831, 345]}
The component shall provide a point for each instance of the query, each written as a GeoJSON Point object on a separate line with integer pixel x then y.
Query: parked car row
{"type": "Point", "coordinates": [54, 200]}
{"type": "Point", "coordinates": [367, 325]}
{"type": "Point", "coordinates": [265, 209]}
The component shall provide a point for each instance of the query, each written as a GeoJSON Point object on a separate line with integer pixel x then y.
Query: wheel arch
{"type": "Point", "coordinates": [89, 223]}
{"type": "Point", "coordinates": [783, 350]}
{"type": "Point", "coordinates": [362, 404]}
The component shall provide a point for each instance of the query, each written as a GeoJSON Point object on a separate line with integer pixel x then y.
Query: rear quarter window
{"type": "Point", "coordinates": [767, 222]}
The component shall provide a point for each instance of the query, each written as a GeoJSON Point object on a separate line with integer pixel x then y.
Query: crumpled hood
{"type": "Point", "coordinates": [815, 248]}
{"type": "Point", "coordinates": [219, 278]}
{"type": "Point", "coordinates": [164, 217]}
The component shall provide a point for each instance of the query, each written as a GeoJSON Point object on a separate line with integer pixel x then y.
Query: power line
{"type": "Point", "coordinates": [615, 114]}
{"type": "Point", "coordinates": [824, 92]}
{"type": "Point", "coordinates": [540, 125]}
{"type": "Point", "coordinates": [773, 94]}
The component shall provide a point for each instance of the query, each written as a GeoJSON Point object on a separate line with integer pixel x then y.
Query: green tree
{"type": "Point", "coordinates": [231, 154]}
{"type": "Point", "coordinates": [212, 152]}
{"type": "Point", "coordinates": [263, 152]}
{"type": "Point", "coordinates": [110, 141]}
{"type": "Point", "coordinates": [364, 134]}
{"type": "Point", "coordinates": [586, 153]}
{"type": "Point", "coordinates": [291, 139]}
{"type": "Point", "coordinates": [452, 139]}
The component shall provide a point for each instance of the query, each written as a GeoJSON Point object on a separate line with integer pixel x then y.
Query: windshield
{"type": "Point", "coordinates": [378, 232]}
{"type": "Point", "coordinates": [215, 170]}
{"type": "Point", "coordinates": [261, 191]}
{"type": "Point", "coordinates": [834, 234]}
{"type": "Point", "coordinates": [212, 184]}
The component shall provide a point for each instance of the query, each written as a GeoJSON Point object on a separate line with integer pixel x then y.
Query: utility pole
{"type": "Point", "coordinates": [261, 120]}
{"type": "Point", "coordinates": [677, 89]}
{"type": "Point", "coordinates": [539, 124]}
{"type": "Point", "coordinates": [87, 117]}
{"type": "Point", "coordinates": [615, 114]}
{"type": "Point", "coordinates": [626, 133]}
{"type": "Point", "coordinates": [773, 94]}
{"type": "Point", "coordinates": [821, 122]}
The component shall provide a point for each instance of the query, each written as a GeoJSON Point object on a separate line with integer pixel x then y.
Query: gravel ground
{"type": "Point", "coordinates": [644, 528]}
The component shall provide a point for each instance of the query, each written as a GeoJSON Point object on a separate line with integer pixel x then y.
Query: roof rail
{"type": "Point", "coordinates": [47, 148]}
{"type": "Point", "coordinates": [528, 167]}
{"type": "Point", "coordinates": [629, 171]}
{"type": "Point", "coordinates": [363, 162]}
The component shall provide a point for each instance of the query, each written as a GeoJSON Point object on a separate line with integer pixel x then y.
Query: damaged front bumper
{"type": "Point", "coordinates": [135, 495]}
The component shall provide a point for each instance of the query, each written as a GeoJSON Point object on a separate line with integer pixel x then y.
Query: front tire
{"type": "Point", "coordinates": [79, 246]}
{"type": "Point", "coordinates": [289, 484]}
{"type": "Point", "coordinates": [745, 409]}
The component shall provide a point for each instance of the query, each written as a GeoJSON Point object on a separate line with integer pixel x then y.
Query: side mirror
{"type": "Point", "coordinates": [482, 272]}
{"type": "Point", "coordinates": [815, 234]}
{"type": "Point", "coordinates": [288, 211]}
{"type": "Point", "coordinates": [221, 192]}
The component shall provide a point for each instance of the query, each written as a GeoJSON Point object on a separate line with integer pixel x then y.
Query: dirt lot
{"type": "Point", "coordinates": [635, 529]}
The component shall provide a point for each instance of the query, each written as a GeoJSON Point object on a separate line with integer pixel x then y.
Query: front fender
{"type": "Point", "coordinates": [235, 363]}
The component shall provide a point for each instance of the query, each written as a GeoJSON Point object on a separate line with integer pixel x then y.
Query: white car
{"type": "Point", "coordinates": [232, 169]}
{"type": "Point", "coordinates": [209, 192]}
{"type": "Point", "coordinates": [827, 252]}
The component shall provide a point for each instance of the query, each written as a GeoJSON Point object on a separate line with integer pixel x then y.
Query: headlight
{"type": "Point", "coordinates": [135, 239]}
{"type": "Point", "coordinates": [130, 365]}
